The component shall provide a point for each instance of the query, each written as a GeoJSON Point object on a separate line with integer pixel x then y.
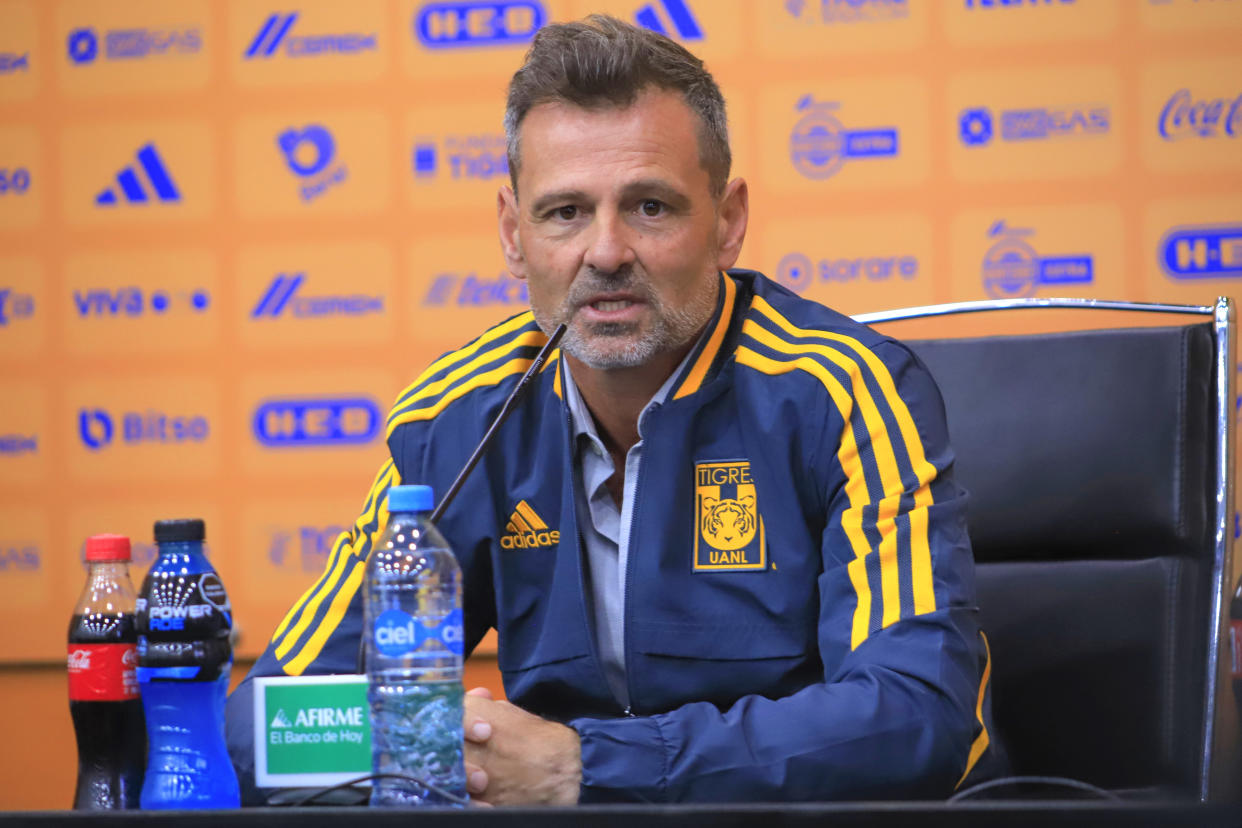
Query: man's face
{"type": "Point", "coordinates": [616, 230]}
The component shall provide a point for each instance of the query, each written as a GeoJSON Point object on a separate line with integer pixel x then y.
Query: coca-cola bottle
{"type": "Point", "coordinates": [103, 686]}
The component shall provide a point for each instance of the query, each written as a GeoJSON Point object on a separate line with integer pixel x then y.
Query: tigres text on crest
{"type": "Point", "coordinates": [729, 532]}
{"type": "Point", "coordinates": [526, 529]}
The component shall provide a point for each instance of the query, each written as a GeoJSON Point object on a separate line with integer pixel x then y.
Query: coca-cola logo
{"type": "Point", "coordinates": [1184, 116]}
{"type": "Point", "coordinates": [80, 660]}
{"type": "Point", "coordinates": [130, 658]}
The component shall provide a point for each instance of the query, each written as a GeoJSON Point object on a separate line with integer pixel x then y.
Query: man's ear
{"type": "Point", "coordinates": [510, 240]}
{"type": "Point", "coordinates": [731, 217]}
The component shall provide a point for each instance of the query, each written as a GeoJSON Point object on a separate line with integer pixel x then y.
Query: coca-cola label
{"type": "Point", "coordinates": [102, 672]}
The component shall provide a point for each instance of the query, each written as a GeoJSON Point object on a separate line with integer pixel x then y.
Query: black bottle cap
{"type": "Point", "coordinates": [183, 529]}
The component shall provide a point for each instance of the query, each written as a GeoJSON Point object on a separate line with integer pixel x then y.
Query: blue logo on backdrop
{"type": "Point", "coordinates": [1184, 116]}
{"type": "Point", "coordinates": [820, 145]}
{"type": "Point", "coordinates": [14, 305]}
{"type": "Point", "coordinates": [469, 24]}
{"type": "Point", "coordinates": [1012, 268]}
{"type": "Point", "coordinates": [96, 428]}
{"type": "Point", "coordinates": [1001, 4]}
{"type": "Point", "coordinates": [1206, 252]}
{"type": "Point", "coordinates": [308, 154]}
{"type": "Point", "coordinates": [479, 157]}
{"type": "Point", "coordinates": [469, 290]}
{"type": "Point", "coordinates": [14, 180]}
{"type": "Point", "coordinates": [976, 126]}
{"type": "Point", "coordinates": [397, 633]}
{"type": "Point", "coordinates": [314, 543]}
{"type": "Point", "coordinates": [19, 557]}
{"type": "Point", "coordinates": [133, 44]}
{"type": "Point", "coordinates": [316, 421]}
{"type": "Point", "coordinates": [275, 32]}
{"type": "Point", "coordinates": [797, 271]}
{"type": "Point", "coordinates": [130, 187]}
{"type": "Point", "coordinates": [679, 14]}
{"type": "Point", "coordinates": [282, 294]}
{"type": "Point", "coordinates": [17, 444]}
{"type": "Point", "coordinates": [133, 302]}
{"type": "Point", "coordinates": [848, 11]}
{"type": "Point", "coordinates": [11, 62]}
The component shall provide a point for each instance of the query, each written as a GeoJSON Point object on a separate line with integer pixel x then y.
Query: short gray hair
{"type": "Point", "coordinates": [602, 61]}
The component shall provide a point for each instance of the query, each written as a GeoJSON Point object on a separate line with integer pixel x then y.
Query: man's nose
{"type": "Point", "coordinates": [609, 246]}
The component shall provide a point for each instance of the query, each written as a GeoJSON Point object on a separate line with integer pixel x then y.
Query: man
{"type": "Point", "coordinates": [719, 540]}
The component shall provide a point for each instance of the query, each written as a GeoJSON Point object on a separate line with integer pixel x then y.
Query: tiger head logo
{"type": "Point", "coordinates": [727, 523]}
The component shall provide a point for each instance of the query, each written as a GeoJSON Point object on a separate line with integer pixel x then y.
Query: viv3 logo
{"type": "Point", "coordinates": [1185, 116]}
{"type": "Point", "coordinates": [308, 154]}
{"type": "Point", "coordinates": [1207, 252]}
{"type": "Point", "coordinates": [475, 23]}
{"type": "Point", "coordinates": [820, 145]}
{"type": "Point", "coordinates": [316, 421]}
{"type": "Point", "coordinates": [97, 428]}
{"type": "Point", "coordinates": [1012, 268]}
{"type": "Point", "coordinates": [131, 301]}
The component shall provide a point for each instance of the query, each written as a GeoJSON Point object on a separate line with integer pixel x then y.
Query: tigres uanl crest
{"type": "Point", "coordinates": [729, 531]}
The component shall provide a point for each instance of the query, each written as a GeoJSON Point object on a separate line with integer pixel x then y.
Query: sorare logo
{"type": "Point", "coordinates": [303, 548]}
{"type": "Point", "coordinates": [847, 11]}
{"type": "Point", "coordinates": [681, 20]}
{"type": "Point", "coordinates": [798, 271]}
{"type": "Point", "coordinates": [82, 44]}
{"type": "Point", "coordinates": [310, 422]}
{"type": "Point", "coordinates": [1186, 116]}
{"type": "Point", "coordinates": [309, 154]}
{"type": "Point", "coordinates": [15, 306]}
{"type": "Point", "coordinates": [977, 125]}
{"type": "Point", "coordinates": [98, 428]}
{"type": "Point", "coordinates": [1202, 252]}
{"type": "Point", "coordinates": [277, 36]}
{"type": "Point", "coordinates": [130, 187]}
{"type": "Point", "coordinates": [469, 290]}
{"type": "Point", "coordinates": [283, 299]}
{"type": "Point", "coordinates": [471, 24]}
{"type": "Point", "coordinates": [820, 145]}
{"type": "Point", "coordinates": [1012, 268]}
{"type": "Point", "coordinates": [464, 157]}
{"type": "Point", "coordinates": [13, 62]}
{"type": "Point", "coordinates": [131, 301]}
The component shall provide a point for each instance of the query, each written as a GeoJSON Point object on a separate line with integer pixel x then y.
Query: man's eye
{"type": "Point", "coordinates": [651, 207]}
{"type": "Point", "coordinates": [566, 213]}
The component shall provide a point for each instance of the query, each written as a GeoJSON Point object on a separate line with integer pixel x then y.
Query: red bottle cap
{"type": "Point", "coordinates": [103, 548]}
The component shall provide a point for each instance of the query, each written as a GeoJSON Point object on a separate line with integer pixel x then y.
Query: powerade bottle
{"type": "Point", "coordinates": [184, 662]}
{"type": "Point", "coordinates": [413, 633]}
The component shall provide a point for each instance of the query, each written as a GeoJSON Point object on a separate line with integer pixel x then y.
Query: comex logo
{"type": "Point", "coordinates": [820, 145]}
{"type": "Point", "coordinates": [1207, 252]}
{"type": "Point", "coordinates": [976, 127]}
{"type": "Point", "coordinates": [475, 23]}
{"type": "Point", "coordinates": [797, 272]}
{"type": "Point", "coordinates": [11, 62]}
{"type": "Point", "coordinates": [313, 545]}
{"type": "Point", "coordinates": [133, 302]}
{"type": "Point", "coordinates": [1012, 268]}
{"type": "Point", "coordinates": [133, 44]}
{"type": "Point", "coordinates": [848, 11]}
{"type": "Point", "coordinates": [130, 185]}
{"type": "Point", "coordinates": [14, 305]}
{"type": "Point", "coordinates": [469, 290]}
{"type": "Point", "coordinates": [96, 428]}
{"type": "Point", "coordinates": [275, 32]}
{"type": "Point", "coordinates": [282, 293]}
{"type": "Point", "coordinates": [316, 421]}
{"type": "Point", "coordinates": [479, 157]}
{"type": "Point", "coordinates": [1183, 116]}
{"type": "Point", "coordinates": [684, 24]}
{"type": "Point", "coordinates": [308, 154]}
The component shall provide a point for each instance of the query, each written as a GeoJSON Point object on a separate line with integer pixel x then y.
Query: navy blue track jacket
{"type": "Point", "coordinates": [800, 618]}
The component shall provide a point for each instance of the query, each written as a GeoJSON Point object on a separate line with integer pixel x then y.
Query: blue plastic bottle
{"type": "Point", "coordinates": [413, 621]}
{"type": "Point", "coordinates": [184, 661]}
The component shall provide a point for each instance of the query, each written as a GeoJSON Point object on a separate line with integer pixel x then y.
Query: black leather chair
{"type": "Point", "coordinates": [1102, 523]}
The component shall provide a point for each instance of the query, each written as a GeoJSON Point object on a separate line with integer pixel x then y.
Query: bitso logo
{"type": "Point", "coordinates": [798, 272]}
{"type": "Point", "coordinates": [96, 428]}
{"type": "Point", "coordinates": [131, 188]}
{"type": "Point", "coordinates": [847, 11]}
{"type": "Point", "coordinates": [308, 154]}
{"type": "Point", "coordinates": [684, 25]}
{"type": "Point", "coordinates": [820, 145]}
{"type": "Point", "coordinates": [134, 302]}
{"type": "Point", "coordinates": [1012, 268]}
{"type": "Point", "coordinates": [277, 32]}
{"type": "Point", "coordinates": [1206, 252]}
{"type": "Point", "coordinates": [11, 62]}
{"type": "Point", "coordinates": [729, 534]}
{"type": "Point", "coordinates": [15, 306]}
{"type": "Point", "coordinates": [316, 421]}
{"type": "Point", "coordinates": [282, 299]}
{"type": "Point", "coordinates": [469, 290]}
{"type": "Point", "coordinates": [15, 181]}
{"type": "Point", "coordinates": [526, 530]}
{"type": "Point", "coordinates": [480, 157]}
{"type": "Point", "coordinates": [1185, 116]}
{"type": "Point", "coordinates": [976, 126]}
{"type": "Point", "coordinates": [133, 44]}
{"type": "Point", "coordinates": [475, 23]}
{"type": "Point", "coordinates": [312, 544]}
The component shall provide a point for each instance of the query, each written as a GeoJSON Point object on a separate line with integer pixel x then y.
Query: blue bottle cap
{"type": "Point", "coordinates": [411, 499]}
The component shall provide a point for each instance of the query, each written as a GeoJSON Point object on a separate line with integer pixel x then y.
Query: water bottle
{"type": "Point", "coordinates": [103, 685]}
{"type": "Point", "coordinates": [413, 636]}
{"type": "Point", "coordinates": [184, 662]}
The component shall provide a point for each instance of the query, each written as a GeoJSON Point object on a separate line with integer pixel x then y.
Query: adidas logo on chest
{"type": "Point", "coordinates": [526, 529]}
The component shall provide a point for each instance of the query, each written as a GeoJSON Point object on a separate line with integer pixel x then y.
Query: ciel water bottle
{"type": "Point", "coordinates": [413, 636]}
{"type": "Point", "coordinates": [184, 661]}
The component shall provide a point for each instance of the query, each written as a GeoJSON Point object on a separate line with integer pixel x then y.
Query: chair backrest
{"type": "Point", "coordinates": [1092, 463]}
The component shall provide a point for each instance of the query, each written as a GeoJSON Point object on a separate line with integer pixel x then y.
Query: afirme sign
{"type": "Point", "coordinates": [310, 730]}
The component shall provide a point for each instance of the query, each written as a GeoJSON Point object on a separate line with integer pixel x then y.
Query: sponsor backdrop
{"type": "Point", "coordinates": [230, 232]}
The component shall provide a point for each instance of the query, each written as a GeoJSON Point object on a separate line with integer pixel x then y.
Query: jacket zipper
{"type": "Point", "coordinates": [629, 575]}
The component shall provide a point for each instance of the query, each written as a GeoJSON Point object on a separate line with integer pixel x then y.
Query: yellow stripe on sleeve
{"type": "Point", "coordinates": [982, 740]}
{"type": "Point", "coordinates": [514, 366]}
